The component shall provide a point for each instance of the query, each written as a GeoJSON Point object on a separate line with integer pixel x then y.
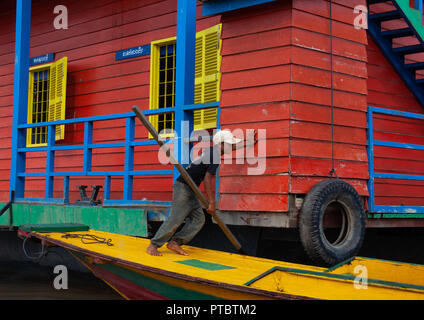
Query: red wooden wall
{"type": "Point", "coordinates": [255, 95]}
{"type": "Point", "coordinates": [7, 38]}
{"type": "Point", "coordinates": [387, 90]}
{"type": "Point", "coordinates": [310, 108]}
{"type": "Point", "coordinates": [277, 75]}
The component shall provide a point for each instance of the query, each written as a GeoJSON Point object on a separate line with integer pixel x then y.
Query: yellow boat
{"type": "Point", "coordinates": [122, 262]}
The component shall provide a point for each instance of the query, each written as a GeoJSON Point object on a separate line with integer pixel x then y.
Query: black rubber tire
{"type": "Point", "coordinates": [342, 195]}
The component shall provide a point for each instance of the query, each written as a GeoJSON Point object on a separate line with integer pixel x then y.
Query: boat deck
{"type": "Point", "coordinates": [234, 276]}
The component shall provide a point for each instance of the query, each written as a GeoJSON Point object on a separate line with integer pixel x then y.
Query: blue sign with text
{"type": "Point", "coordinates": [133, 52]}
{"type": "Point", "coordinates": [45, 58]}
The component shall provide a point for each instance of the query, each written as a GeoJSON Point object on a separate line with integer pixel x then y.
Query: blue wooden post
{"type": "Point", "coordinates": [66, 189]}
{"type": "Point", "coordinates": [370, 150]}
{"type": "Point", "coordinates": [129, 158]}
{"type": "Point", "coordinates": [106, 191]}
{"type": "Point", "coordinates": [88, 140]}
{"type": "Point", "coordinates": [184, 95]}
{"type": "Point", "coordinates": [51, 131]}
{"type": "Point", "coordinates": [20, 95]}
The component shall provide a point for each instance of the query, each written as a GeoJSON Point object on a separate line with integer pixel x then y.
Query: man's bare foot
{"type": "Point", "coordinates": [153, 251]}
{"type": "Point", "coordinates": [172, 245]}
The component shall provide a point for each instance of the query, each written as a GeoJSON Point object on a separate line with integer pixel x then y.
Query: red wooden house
{"type": "Point", "coordinates": [342, 107]}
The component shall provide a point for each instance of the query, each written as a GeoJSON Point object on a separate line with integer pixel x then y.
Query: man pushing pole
{"type": "Point", "coordinates": [186, 194]}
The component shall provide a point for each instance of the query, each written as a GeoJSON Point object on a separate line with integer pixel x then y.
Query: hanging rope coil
{"type": "Point", "coordinates": [40, 254]}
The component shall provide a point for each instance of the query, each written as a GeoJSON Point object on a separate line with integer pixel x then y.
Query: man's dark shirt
{"type": "Point", "coordinates": [207, 162]}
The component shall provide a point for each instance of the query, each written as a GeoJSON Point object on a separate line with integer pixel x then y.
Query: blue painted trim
{"type": "Point", "coordinates": [136, 202]}
{"type": "Point", "coordinates": [93, 146]}
{"type": "Point", "coordinates": [51, 132]}
{"type": "Point", "coordinates": [66, 189]}
{"type": "Point", "coordinates": [129, 159]}
{"type": "Point", "coordinates": [398, 145]}
{"type": "Point", "coordinates": [96, 118]}
{"type": "Point", "coordinates": [201, 106]}
{"type": "Point", "coordinates": [381, 175]}
{"type": "Point", "coordinates": [55, 148]}
{"type": "Point", "coordinates": [212, 7]}
{"type": "Point", "coordinates": [419, 6]}
{"type": "Point", "coordinates": [158, 111]}
{"type": "Point", "coordinates": [78, 120]}
{"type": "Point", "coordinates": [185, 64]}
{"type": "Point", "coordinates": [370, 152]}
{"type": "Point", "coordinates": [20, 95]}
{"type": "Point", "coordinates": [399, 209]}
{"type": "Point", "coordinates": [106, 191]}
{"type": "Point", "coordinates": [398, 176]}
{"type": "Point", "coordinates": [397, 113]}
{"type": "Point", "coordinates": [88, 139]}
{"type": "Point", "coordinates": [31, 174]}
{"type": "Point", "coordinates": [98, 173]}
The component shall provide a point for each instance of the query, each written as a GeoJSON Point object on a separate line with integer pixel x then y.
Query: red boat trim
{"type": "Point", "coordinates": [126, 288]}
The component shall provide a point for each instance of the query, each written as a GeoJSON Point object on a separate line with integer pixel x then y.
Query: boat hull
{"type": "Point", "coordinates": [135, 284]}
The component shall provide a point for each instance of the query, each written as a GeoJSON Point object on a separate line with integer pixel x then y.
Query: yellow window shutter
{"type": "Point", "coordinates": [207, 76]}
{"type": "Point", "coordinates": [57, 99]}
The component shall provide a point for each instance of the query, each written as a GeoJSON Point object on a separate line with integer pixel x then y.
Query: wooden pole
{"type": "Point", "coordinates": [186, 177]}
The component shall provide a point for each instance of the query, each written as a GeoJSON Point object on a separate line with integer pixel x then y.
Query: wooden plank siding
{"type": "Point", "coordinates": [97, 85]}
{"type": "Point", "coordinates": [310, 107]}
{"type": "Point", "coordinates": [255, 89]}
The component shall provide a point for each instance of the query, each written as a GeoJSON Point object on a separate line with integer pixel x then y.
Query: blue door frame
{"type": "Point", "coordinates": [186, 31]}
{"type": "Point", "coordinates": [386, 210]}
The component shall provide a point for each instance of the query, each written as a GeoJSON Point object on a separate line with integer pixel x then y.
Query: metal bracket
{"type": "Point", "coordinates": [92, 201]}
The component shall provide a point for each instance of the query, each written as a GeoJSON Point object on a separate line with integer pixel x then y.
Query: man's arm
{"type": "Point", "coordinates": [210, 191]}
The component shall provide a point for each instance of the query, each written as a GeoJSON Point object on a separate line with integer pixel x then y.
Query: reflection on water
{"type": "Point", "coordinates": [29, 281]}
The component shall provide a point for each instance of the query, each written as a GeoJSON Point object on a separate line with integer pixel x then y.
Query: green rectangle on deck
{"type": "Point", "coordinates": [54, 227]}
{"type": "Point", "coordinates": [205, 265]}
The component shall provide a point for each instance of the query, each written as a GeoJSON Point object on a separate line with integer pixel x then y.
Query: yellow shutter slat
{"type": "Point", "coordinates": [207, 76]}
{"type": "Point", "coordinates": [52, 91]}
{"type": "Point", "coordinates": [57, 101]}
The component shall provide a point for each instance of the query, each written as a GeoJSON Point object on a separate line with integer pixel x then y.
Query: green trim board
{"type": "Point", "coordinates": [347, 261]}
{"type": "Point", "coordinates": [54, 227]}
{"type": "Point", "coordinates": [336, 277]}
{"type": "Point", "coordinates": [413, 15]}
{"type": "Point", "coordinates": [128, 221]}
